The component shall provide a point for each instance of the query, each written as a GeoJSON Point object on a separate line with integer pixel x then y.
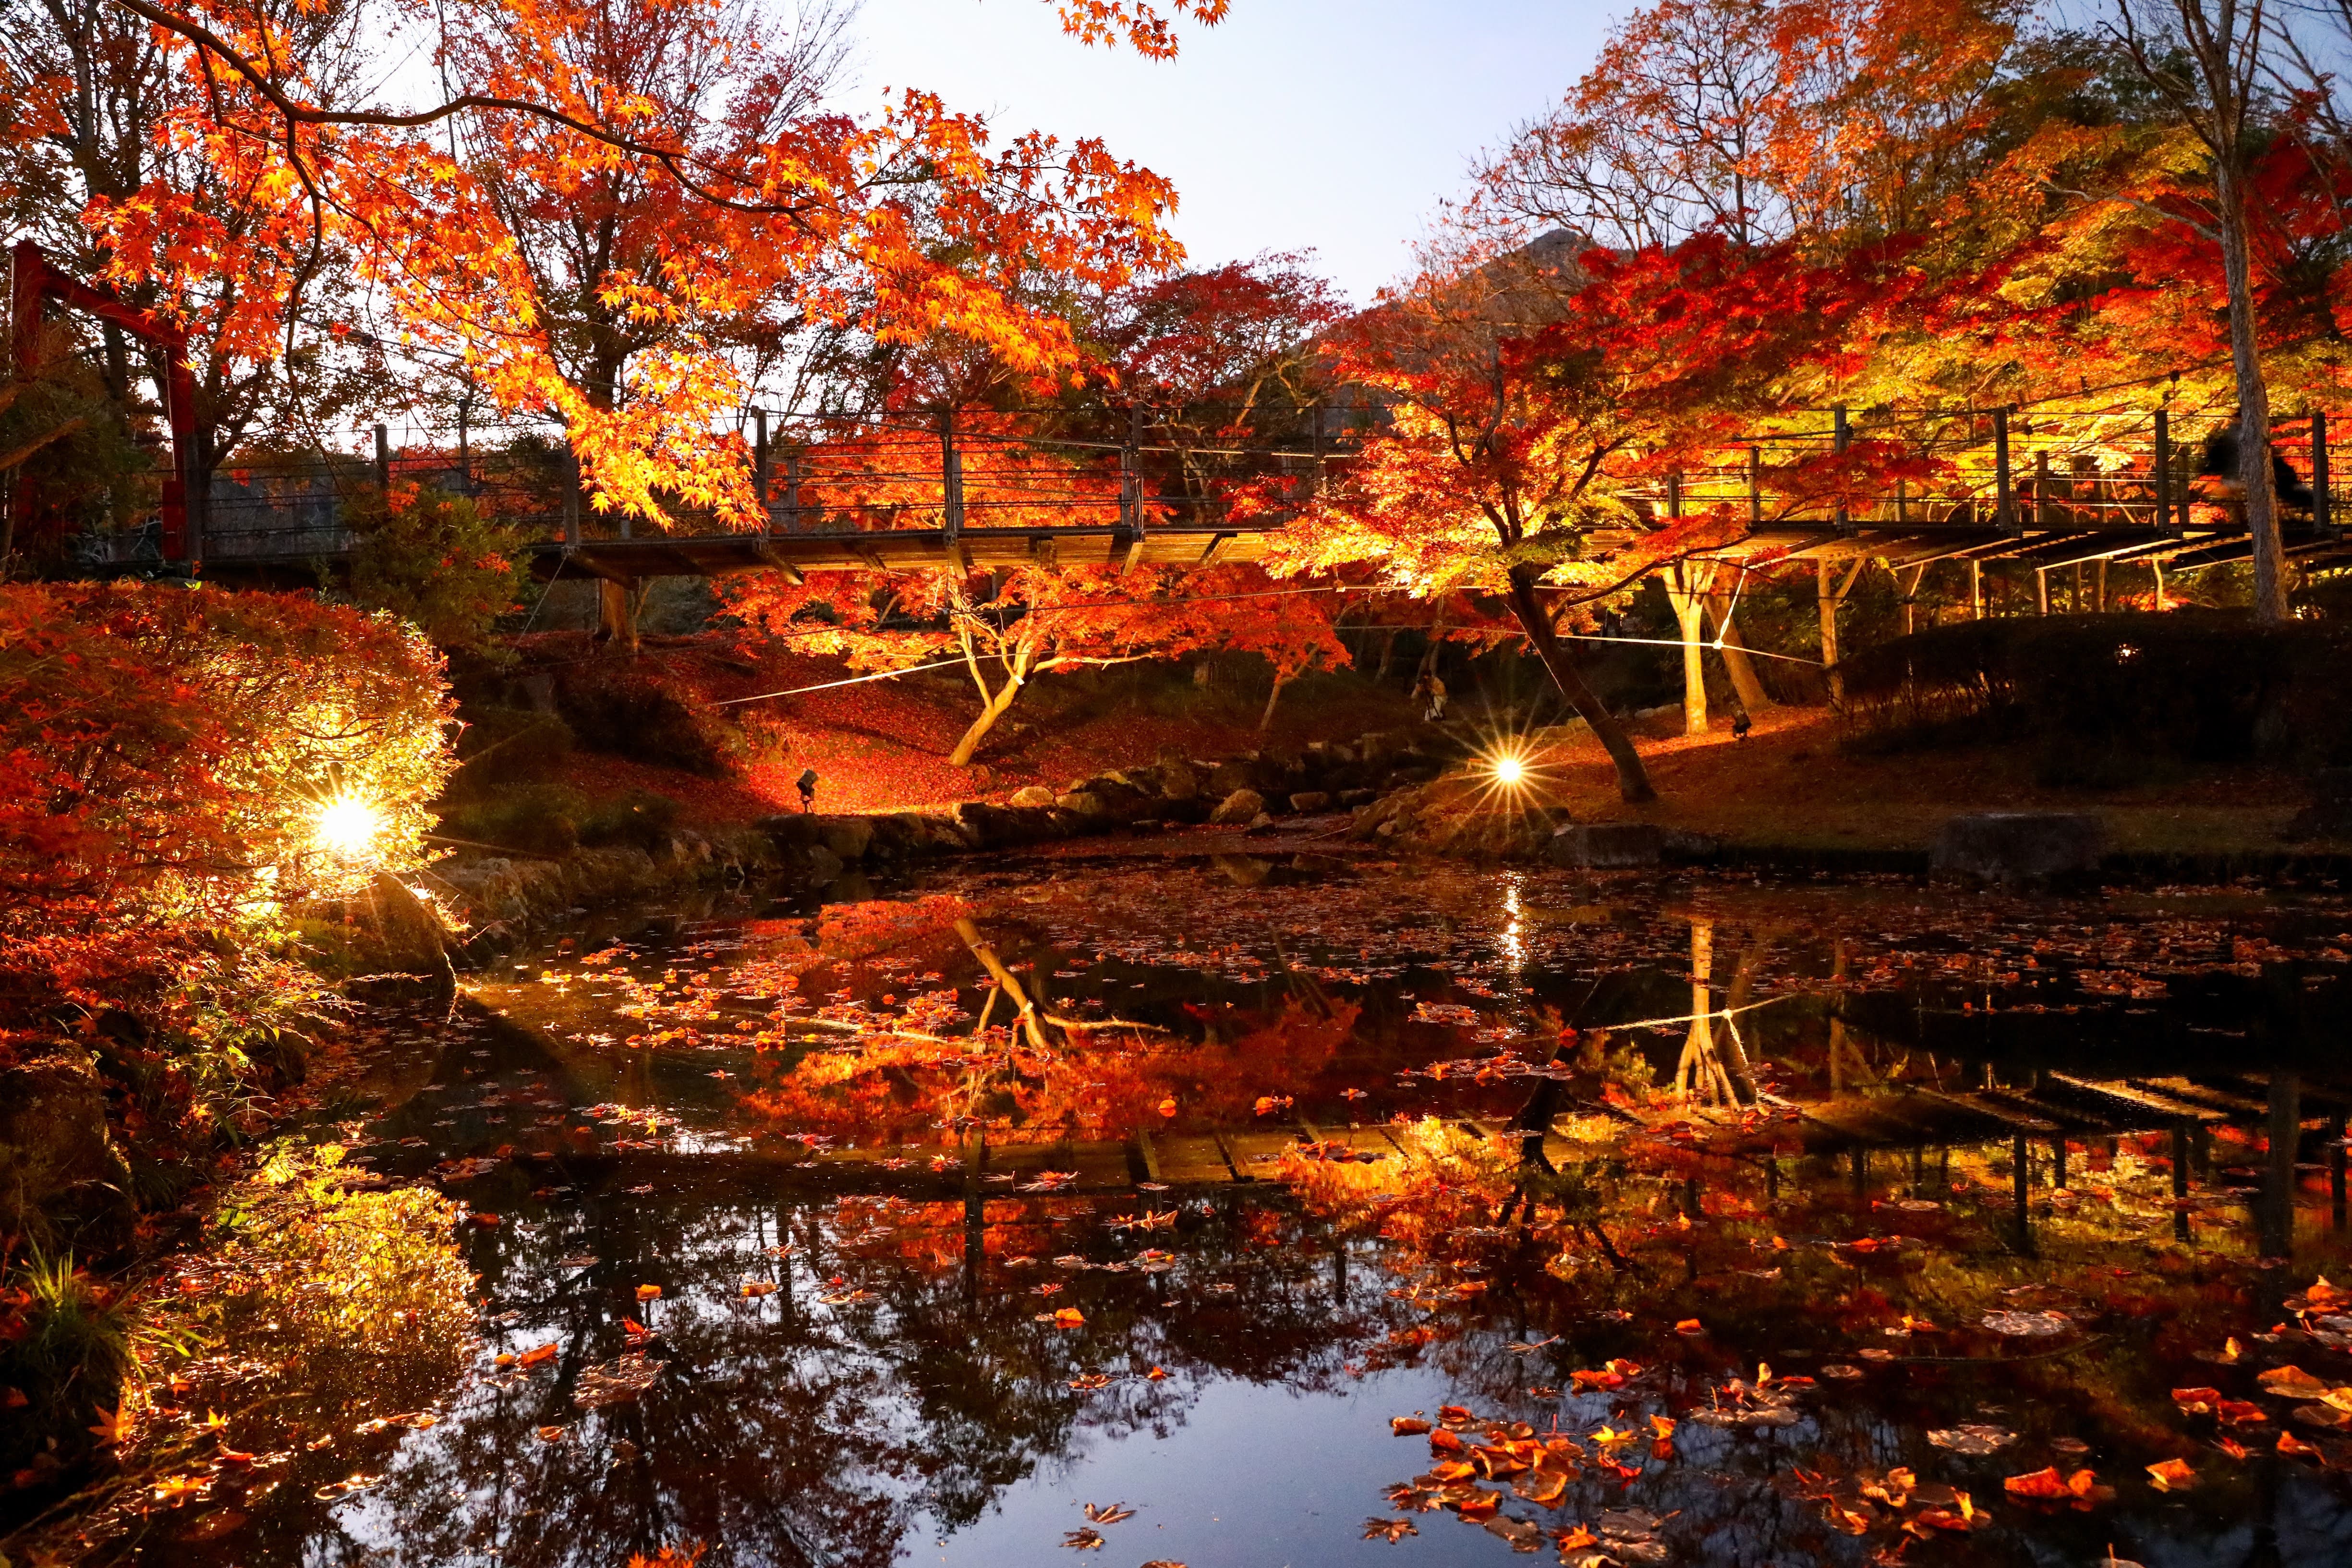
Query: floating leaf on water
{"type": "Point", "coordinates": [1407, 1425]}
{"type": "Point", "coordinates": [2292, 1383]}
{"type": "Point", "coordinates": [1973, 1439]}
{"type": "Point", "coordinates": [1107, 1513]}
{"type": "Point", "coordinates": [615, 1382]}
{"type": "Point", "coordinates": [1390, 1530]}
{"type": "Point", "coordinates": [2027, 1325]}
{"type": "Point", "coordinates": [2172, 1476]}
{"type": "Point", "coordinates": [1084, 1540]}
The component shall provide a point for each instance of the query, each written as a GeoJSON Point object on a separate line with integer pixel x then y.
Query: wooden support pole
{"type": "Point", "coordinates": [2102, 590]}
{"type": "Point", "coordinates": [951, 496]}
{"type": "Point", "coordinates": [2041, 590]}
{"type": "Point", "coordinates": [2042, 489]}
{"type": "Point", "coordinates": [570, 495]}
{"type": "Point", "coordinates": [759, 470]}
{"type": "Point", "coordinates": [1734, 646]}
{"type": "Point", "coordinates": [1839, 434]}
{"type": "Point", "coordinates": [2323, 506]}
{"type": "Point", "coordinates": [1976, 589]}
{"type": "Point", "coordinates": [2162, 477]}
{"type": "Point", "coordinates": [1755, 487]}
{"type": "Point", "coordinates": [2004, 493]}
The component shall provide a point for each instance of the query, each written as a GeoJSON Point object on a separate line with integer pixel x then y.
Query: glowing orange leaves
{"type": "Point", "coordinates": [2171, 1476]}
{"type": "Point", "coordinates": [2081, 1489]}
{"type": "Point", "coordinates": [1069, 1318]}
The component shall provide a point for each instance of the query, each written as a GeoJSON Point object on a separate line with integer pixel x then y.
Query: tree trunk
{"type": "Point", "coordinates": [1826, 603]}
{"type": "Point", "coordinates": [989, 714]}
{"type": "Point", "coordinates": [1686, 592]}
{"type": "Point", "coordinates": [617, 604]}
{"type": "Point", "coordinates": [1744, 679]}
{"type": "Point", "coordinates": [1266, 720]}
{"type": "Point", "coordinates": [2253, 399]}
{"type": "Point", "coordinates": [1829, 600]}
{"type": "Point", "coordinates": [1632, 778]}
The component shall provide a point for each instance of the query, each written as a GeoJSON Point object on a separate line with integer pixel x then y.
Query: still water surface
{"type": "Point", "coordinates": [938, 1184]}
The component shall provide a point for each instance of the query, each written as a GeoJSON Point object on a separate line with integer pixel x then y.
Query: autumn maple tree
{"type": "Point", "coordinates": [1006, 629]}
{"type": "Point", "coordinates": [607, 206]}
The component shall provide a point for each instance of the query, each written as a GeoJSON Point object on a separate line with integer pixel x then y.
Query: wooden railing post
{"type": "Point", "coordinates": [1755, 487]}
{"type": "Point", "coordinates": [570, 495]}
{"type": "Point", "coordinates": [2323, 508]}
{"type": "Point", "coordinates": [759, 470]}
{"type": "Point", "coordinates": [2163, 475]}
{"type": "Point", "coordinates": [1839, 434]}
{"type": "Point", "coordinates": [2004, 494]}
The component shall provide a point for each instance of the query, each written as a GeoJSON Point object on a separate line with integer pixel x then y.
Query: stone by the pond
{"type": "Point", "coordinates": [59, 1169]}
{"type": "Point", "coordinates": [1238, 808]}
{"type": "Point", "coordinates": [1606, 845]}
{"type": "Point", "coordinates": [1084, 802]}
{"type": "Point", "coordinates": [2019, 845]}
{"type": "Point", "coordinates": [1306, 801]}
{"type": "Point", "coordinates": [399, 936]}
{"type": "Point", "coordinates": [1032, 795]}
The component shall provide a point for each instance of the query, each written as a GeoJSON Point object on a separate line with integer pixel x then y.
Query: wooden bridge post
{"type": "Point", "coordinates": [1130, 489]}
{"type": "Point", "coordinates": [2004, 494]}
{"type": "Point", "coordinates": [570, 495]}
{"type": "Point", "coordinates": [792, 493]}
{"type": "Point", "coordinates": [1839, 434]}
{"type": "Point", "coordinates": [951, 493]}
{"type": "Point", "coordinates": [2323, 509]}
{"type": "Point", "coordinates": [2042, 488]}
{"type": "Point", "coordinates": [1976, 589]}
{"type": "Point", "coordinates": [759, 470]}
{"type": "Point", "coordinates": [2163, 474]}
{"type": "Point", "coordinates": [1755, 487]}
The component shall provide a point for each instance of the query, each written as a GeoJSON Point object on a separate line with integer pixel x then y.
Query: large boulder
{"type": "Point", "coordinates": [2019, 845]}
{"type": "Point", "coordinates": [1606, 845]}
{"type": "Point", "coordinates": [62, 1180]}
{"type": "Point", "coordinates": [1084, 803]}
{"type": "Point", "coordinates": [1238, 808]}
{"type": "Point", "coordinates": [1032, 795]}
{"type": "Point", "coordinates": [1179, 780]}
{"type": "Point", "coordinates": [1307, 802]}
{"type": "Point", "coordinates": [401, 941]}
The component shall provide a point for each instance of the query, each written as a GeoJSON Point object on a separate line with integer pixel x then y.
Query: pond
{"type": "Point", "coordinates": [1159, 1205]}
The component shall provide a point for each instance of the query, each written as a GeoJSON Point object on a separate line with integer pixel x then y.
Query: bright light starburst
{"type": "Point", "coordinates": [1510, 770]}
{"type": "Point", "coordinates": [347, 828]}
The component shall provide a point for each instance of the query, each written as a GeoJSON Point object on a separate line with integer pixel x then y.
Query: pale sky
{"type": "Point", "coordinates": [1336, 125]}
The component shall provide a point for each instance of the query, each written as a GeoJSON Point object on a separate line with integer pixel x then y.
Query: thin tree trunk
{"type": "Point", "coordinates": [1266, 720]}
{"type": "Point", "coordinates": [2253, 399]}
{"type": "Point", "coordinates": [1744, 681]}
{"type": "Point", "coordinates": [1686, 592]}
{"type": "Point", "coordinates": [1632, 778]}
{"type": "Point", "coordinates": [1828, 599]}
{"type": "Point", "coordinates": [993, 709]}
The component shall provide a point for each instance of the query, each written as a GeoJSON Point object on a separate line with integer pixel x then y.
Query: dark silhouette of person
{"type": "Point", "coordinates": [2220, 462]}
{"type": "Point", "coordinates": [808, 789]}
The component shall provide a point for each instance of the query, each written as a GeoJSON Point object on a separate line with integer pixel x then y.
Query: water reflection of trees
{"type": "Point", "coordinates": [794, 1432]}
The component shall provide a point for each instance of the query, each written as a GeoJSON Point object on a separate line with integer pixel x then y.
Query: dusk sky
{"type": "Point", "coordinates": [1336, 125]}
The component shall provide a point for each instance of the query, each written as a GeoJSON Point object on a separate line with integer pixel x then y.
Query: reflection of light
{"type": "Point", "coordinates": [1515, 946]}
{"type": "Point", "coordinates": [1510, 770]}
{"type": "Point", "coordinates": [347, 828]}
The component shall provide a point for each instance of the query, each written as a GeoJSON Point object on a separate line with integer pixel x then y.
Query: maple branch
{"type": "Point", "coordinates": [2211, 236]}
{"type": "Point", "coordinates": [210, 44]}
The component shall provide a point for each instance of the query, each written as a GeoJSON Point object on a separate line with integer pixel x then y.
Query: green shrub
{"type": "Point", "coordinates": [66, 1348]}
{"type": "Point", "coordinates": [635, 715]}
{"type": "Point", "coordinates": [435, 559]}
{"type": "Point", "coordinates": [508, 745]}
{"type": "Point", "coordinates": [2119, 692]}
{"type": "Point", "coordinates": [640, 818]}
{"type": "Point", "coordinates": [541, 818]}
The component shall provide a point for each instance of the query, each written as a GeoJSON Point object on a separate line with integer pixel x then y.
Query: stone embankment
{"type": "Point", "coordinates": [497, 898]}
